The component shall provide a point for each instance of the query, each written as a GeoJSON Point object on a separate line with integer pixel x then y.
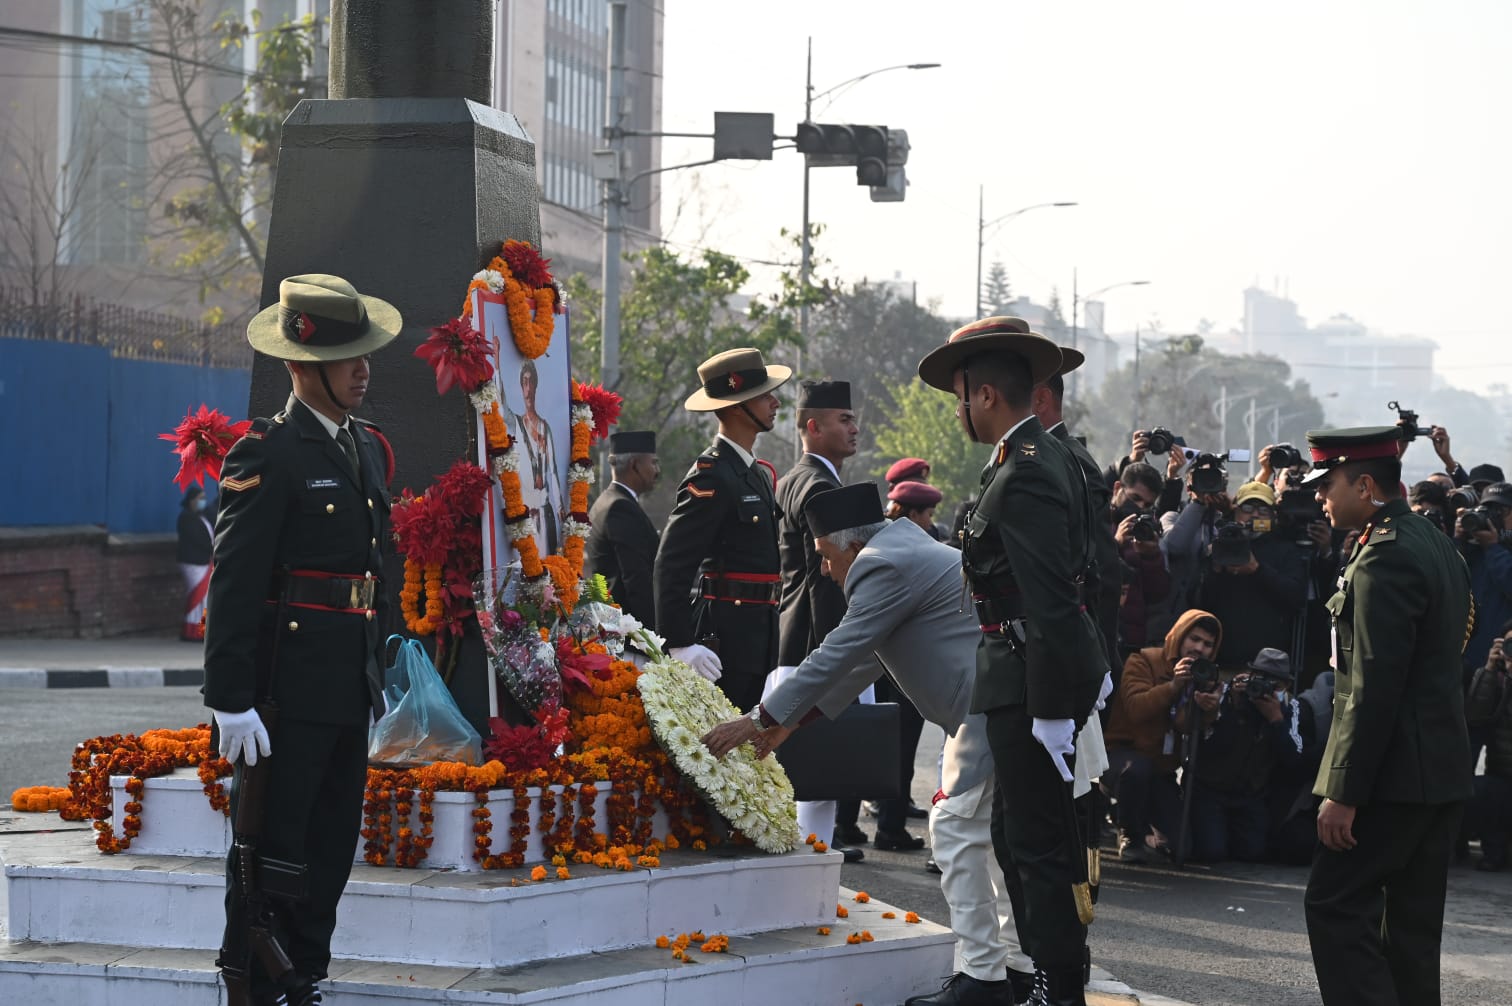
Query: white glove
{"type": "Point", "coordinates": [1104, 692]}
{"type": "Point", "coordinates": [1056, 737]}
{"type": "Point", "coordinates": [238, 732]}
{"type": "Point", "coordinates": [702, 659]}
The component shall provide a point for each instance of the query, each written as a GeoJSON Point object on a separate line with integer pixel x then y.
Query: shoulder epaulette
{"type": "Point", "coordinates": [1377, 533]}
{"type": "Point", "coordinates": [259, 428]}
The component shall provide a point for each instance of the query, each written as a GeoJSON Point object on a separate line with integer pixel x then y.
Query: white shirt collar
{"type": "Point", "coordinates": [325, 420]}
{"type": "Point", "coordinates": [1005, 436]}
{"type": "Point", "coordinates": [820, 457]}
{"type": "Point", "coordinates": [1052, 429]}
{"type": "Point", "coordinates": [633, 494]}
{"type": "Point", "coordinates": [740, 452]}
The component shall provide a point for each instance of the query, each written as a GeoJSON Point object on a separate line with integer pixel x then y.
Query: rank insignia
{"type": "Point", "coordinates": [703, 494]}
{"type": "Point", "coordinates": [241, 485]}
{"type": "Point", "coordinates": [736, 382]}
{"type": "Point", "coordinates": [1028, 450]}
{"type": "Point", "coordinates": [1002, 453]}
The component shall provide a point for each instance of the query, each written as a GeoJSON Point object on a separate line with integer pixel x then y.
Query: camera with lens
{"type": "Point", "coordinates": [1208, 474]}
{"type": "Point", "coordinates": [1298, 508]}
{"type": "Point", "coordinates": [1283, 456]}
{"type": "Point", "coordinates": [1408, 420]}
{"type": "Point", "coordinates": [1478, 518]}
{"type": "Point", "coordinates": [1144, 528]}
{"type": "Point", "coordinates": [1160, 440]}
{"type": "Point", "coordinates": [1231, 544]}
{"type": "Point", "coordinates": [1256, 686]}
{"type": "Point", "coordinates": [1204, 674]}
{"type": "Point", "coordinates": [1462, 497]}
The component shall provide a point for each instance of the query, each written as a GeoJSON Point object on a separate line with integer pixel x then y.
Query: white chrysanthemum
{"type": "Point", "coordinates": [506, 462]}
{"type": "Point", "coordinates": [484, 398]}
{"type": "Point", "coordinates": [582, 414]}
{"type": "Point", "coordinates": [520, 529]}
{"type": "Point", "coordinates": [493, 278]}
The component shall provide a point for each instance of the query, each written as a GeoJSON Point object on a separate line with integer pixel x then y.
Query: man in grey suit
{"type": "Point", "coordinates": [903, 603]}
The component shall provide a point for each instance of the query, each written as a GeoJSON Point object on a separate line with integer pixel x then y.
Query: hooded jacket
{"type": "Point", "coordinates": [1141, 716]}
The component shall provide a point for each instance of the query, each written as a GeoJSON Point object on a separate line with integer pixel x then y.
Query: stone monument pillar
{"type": "Point", "coordinates": [404, 181]}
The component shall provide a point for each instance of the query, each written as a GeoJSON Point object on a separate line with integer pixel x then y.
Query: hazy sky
{"type": "Point", "coordinates": [1359, 152]}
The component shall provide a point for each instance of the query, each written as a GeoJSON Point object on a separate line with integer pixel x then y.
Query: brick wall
{"type": "Point", "coordinates": [81, 582]}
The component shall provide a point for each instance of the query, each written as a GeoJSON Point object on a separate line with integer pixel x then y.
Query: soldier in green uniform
{"type": "Point", "coordinates": [717, 576]}
{"type": "Point", "coordinates": [1396, 771]}
{"type": "Point", "coordinates": [295, 611]}
{"type": "Point", "coordinates": [1040, 665]}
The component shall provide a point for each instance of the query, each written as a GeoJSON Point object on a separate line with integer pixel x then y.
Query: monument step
{"type": "Point", "coordinates": [61, 890]}
{"type": "Point", "coordinates": [794, 966]}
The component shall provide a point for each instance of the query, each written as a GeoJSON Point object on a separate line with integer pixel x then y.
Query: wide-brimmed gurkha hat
{"type": "Point", "coordinates": [1070, 359]}
{"type": "Point", "coordinates": [321, 318]}
{"type": "Point", "coordinates": [990, 335]}
{"type": "Point", "coordinates": [855, 505]}
{"type": "Point", "coordinates": [1331, 448]}
{"type": "Point", "coordinates": [735, 376]}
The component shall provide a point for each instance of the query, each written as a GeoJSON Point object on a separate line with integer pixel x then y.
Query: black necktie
{"type": "Point", "coordinates": [349, 447]}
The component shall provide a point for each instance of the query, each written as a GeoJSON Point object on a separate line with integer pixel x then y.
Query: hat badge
{"type": "Point", "coordinates": [303, 327]}
{"type": "Point", "coordinates": [736, 382]}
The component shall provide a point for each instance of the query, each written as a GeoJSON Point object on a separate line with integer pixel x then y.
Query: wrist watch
{"type": "Point", "coordinates": [755, 715]}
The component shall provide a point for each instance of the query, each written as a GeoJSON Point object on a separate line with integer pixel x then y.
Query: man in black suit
{"type": "Point", "coordinates": [716, 575]}
{"type": "Point", "coordinates": [622, 545]}
{"type": "Point", "coordinates": [295, 612]}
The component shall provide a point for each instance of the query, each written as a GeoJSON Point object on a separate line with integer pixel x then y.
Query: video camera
{"type": "Point", "coordinates": [1208, 474]}
{"type": "Point", "coordinates": [1408, 420]}
{"type": "Point", "coordinates": [1231, 544]}
{"type": "Point", "coordinates": [1298, 508]}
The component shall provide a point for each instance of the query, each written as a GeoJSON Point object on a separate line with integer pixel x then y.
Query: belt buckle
{"type": "Point", "coordinates": [355, 601]}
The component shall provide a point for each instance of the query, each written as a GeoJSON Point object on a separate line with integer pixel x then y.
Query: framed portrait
{"type": "Point", "coordinates": [535, 398]}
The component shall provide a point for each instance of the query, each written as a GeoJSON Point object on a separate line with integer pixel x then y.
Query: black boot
{"type": "Point", "coordinates": [1022, 984]}
{"type": "Point", "coordinates": [963, 990]}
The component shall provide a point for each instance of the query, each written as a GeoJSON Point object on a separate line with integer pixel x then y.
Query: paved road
{"type": "Point", "coordinates": [1227, 936]}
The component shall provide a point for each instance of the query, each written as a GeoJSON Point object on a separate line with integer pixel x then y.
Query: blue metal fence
{"type": "Point", "coordinates": [78, 433]}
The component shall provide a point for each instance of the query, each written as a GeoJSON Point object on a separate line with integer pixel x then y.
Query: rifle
{"type": "Point", "coordinates": [250, 922]}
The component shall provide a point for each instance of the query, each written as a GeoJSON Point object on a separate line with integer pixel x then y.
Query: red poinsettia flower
{"type": "Point", "coordinates": [459, 354]}
{"type": "Point", "coordinates": [526, 264]}
{"type": "Point", "coordinates": [202, 441]}
{"type": "Point", "coordinates": [577, 666]}
{"type": "Point", "coordinates": [604, 403]}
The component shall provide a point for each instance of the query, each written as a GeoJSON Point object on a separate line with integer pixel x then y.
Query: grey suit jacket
{"type": "Point", "coordinates": [903, 602]}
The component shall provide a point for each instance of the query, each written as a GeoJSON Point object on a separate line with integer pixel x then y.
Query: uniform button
{"type": "Point", "coordinates": [755, 518]}
{"type": "Point", "coordinates": [368, 575]}
{"type": "Point", "coordinates": [370, 504]}
{"type": "Point", "coordinates": [373, 542]}
{"type": "Point", "coordinates": [330, 508]}
{"type": "Point", "coordinates": [737, 603]}
{"type": "Point", "coordinates": [293, 626]}
{"type": "Point", "coordinates": [370, 614]}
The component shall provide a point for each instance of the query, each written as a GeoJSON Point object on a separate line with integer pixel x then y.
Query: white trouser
{"type": "Point", "coordinates": [815, 817]}
{"type": "Point", "coordinates": [981, 916]}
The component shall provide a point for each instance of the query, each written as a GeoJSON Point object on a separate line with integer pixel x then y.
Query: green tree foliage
{"type": "Point", "coordinates": [997, 292]}
{"type": "Point", "coordinates": [676, 312]}
{"type": "Point", "coordinates": [923, 424]}
{"type": "Point", "coordinates": [1179, 386]}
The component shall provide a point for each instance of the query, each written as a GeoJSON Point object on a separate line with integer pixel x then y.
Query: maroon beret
{"type": "Point", "coordinates": [915, 494]}
{"type": "Point", "coordinates": [908, 468]}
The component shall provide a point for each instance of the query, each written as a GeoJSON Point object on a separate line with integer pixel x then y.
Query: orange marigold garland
{"type": "Point", "coordinates": [430, 587]}
{"type": "Point", "coordinates": [521, 275]}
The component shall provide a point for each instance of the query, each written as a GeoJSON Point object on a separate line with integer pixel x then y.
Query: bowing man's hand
{"type": "Point", "coordinates": [771, 738]}
{"type": "Point", "coordinates": [730, 735]}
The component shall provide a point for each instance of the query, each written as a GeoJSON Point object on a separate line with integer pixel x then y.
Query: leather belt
{"type": "Point", "coordinates": [308, 588]}
{"type": "Point", "coordinates": [995, 609]}
{"type": "Point", "coordinates": [741, 588]}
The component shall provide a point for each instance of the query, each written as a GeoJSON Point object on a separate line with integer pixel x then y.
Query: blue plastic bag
{"type": "Point", "coordinates": [423, 723]}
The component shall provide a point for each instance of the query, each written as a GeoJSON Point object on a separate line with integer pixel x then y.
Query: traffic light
{"type": "Point", "coordinates": [827, 145]}
{"type": "Point", "coordinates": [895, 187]}
{"type": "Point", "coordinates": [871, 154]}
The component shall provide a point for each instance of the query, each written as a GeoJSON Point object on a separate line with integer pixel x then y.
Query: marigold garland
{"type": "Point", "coordinates": [39, 799]}
{"type": "Point", "coordinates": [431, 588]}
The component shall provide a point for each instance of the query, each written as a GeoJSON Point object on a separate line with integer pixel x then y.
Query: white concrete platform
{"type": "Point", "coordinates": [793, 966]}
{"type": "Point", "coordinates": [61, 890]}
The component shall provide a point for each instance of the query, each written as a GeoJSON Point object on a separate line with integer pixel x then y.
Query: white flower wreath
{"type": "Point", "coordinates": [754, 796]}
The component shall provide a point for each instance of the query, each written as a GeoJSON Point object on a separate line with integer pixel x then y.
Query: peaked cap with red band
{"type": "Point", "coordinates": [1331, 448]}
{"type": "Point", "coordinates": [990, 335]}
{"type": "Point", "coordinates": [320, 319]}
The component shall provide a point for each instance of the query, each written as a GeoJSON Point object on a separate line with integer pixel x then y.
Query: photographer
{"type": "Point", "coordinates": [1189, 532]}
{"type": "Point", "coordinates": [1249, 738]}
{"type": "Point", "coordinates": [1478, 530]}
{"type": "Point", "coordinates": [1137, 534]}
{"type": "Point", "coordinates": [1142, 446]}
{"type": "Point", "coordinates": [1282, 467]}
{"type": "Point", "coordinates": [1478, 477]}
{"type": "Point", "coordinates": [1255, 581]}
{"type": "Point", "coordinates": [1141, 736]}
{"type": "Point", "coordinates": [1488, 711]}
{"type": "Point", "coordinates": [1431, 500]}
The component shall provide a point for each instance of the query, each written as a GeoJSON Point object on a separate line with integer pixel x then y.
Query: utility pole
{"type": "Point", "coordinates": [803, 267]}
{"type": "Point", "coordinates": [981, 238]}
{"type": "Point", "coordinates": [613, 198]}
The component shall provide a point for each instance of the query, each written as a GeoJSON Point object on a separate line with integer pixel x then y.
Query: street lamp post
{"type": "Point", "coordinates": [982, 226]}
{"type": "Point", "coordinates": [1076, 317]}
{"type": "Point", "coordinates": [808, 111]}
